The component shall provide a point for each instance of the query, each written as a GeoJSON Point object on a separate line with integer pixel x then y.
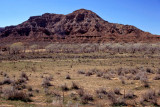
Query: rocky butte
{"type": "Point", "coordinates": [80, 26]}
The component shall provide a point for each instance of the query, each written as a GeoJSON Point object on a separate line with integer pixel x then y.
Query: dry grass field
{"type": "Point", "coordinates": [107, 80]}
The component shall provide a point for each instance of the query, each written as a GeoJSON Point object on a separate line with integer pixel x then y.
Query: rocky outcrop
{"type": "Point", "coordinates": [80, 26]}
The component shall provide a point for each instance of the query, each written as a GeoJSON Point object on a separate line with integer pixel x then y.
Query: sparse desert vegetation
{"type": "Point", "coordinates": [100, 75]}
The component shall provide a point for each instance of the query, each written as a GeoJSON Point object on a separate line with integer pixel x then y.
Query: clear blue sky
{"type": "Point", "coordinates": [144, 14]}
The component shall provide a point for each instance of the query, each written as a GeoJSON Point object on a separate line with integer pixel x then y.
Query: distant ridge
{"type": "Point", "coordinates": [80, 26]}
{"type": "Point", "coordinates": [1, 29]}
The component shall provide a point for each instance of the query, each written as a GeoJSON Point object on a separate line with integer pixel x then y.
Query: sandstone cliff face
{"type": "Point", "coordinates": [80, 26]}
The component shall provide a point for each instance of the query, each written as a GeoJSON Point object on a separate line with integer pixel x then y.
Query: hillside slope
{"type": "Point", "coordinates": [80, 26]}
